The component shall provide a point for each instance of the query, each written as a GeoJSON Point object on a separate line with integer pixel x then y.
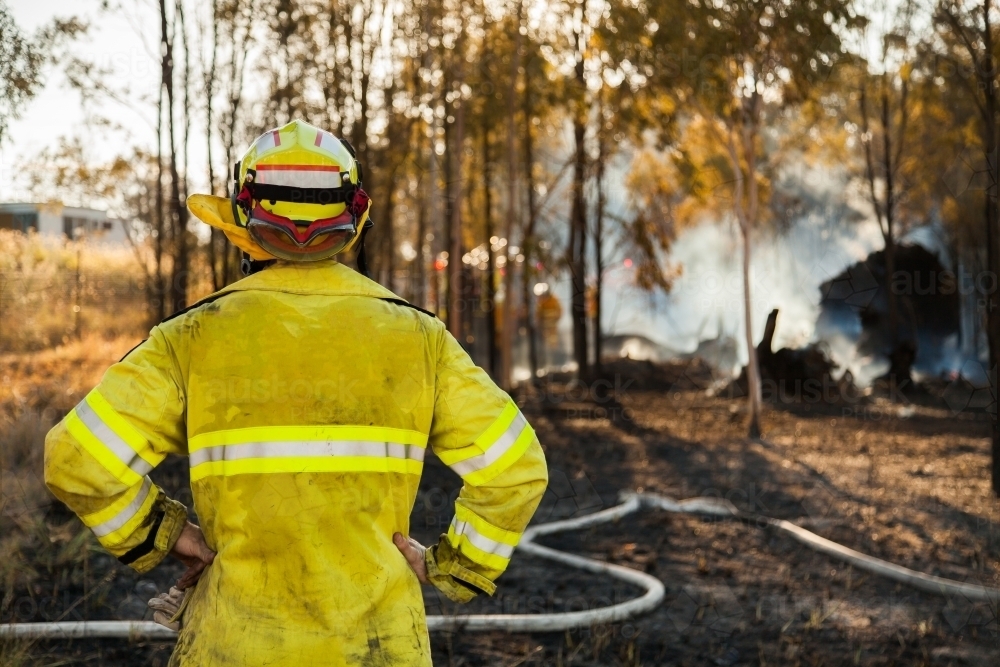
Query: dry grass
{"type": "Point", "coordinates": [22, 489]}
{"type": "Point", "coordinates": [51, 355]}
{"type": "Point", "coordinates": [37, 389]}
{"type": "Point", "coordinates": [67, 312]}
{"type": "Point", "coordinates": [50, 382]}
{"type": "Point", "coordinates": [49, 360]}
{"type": "Point", "coordinates": [53, 291]}
{"type": "Point", "coordinates": [16, 653]}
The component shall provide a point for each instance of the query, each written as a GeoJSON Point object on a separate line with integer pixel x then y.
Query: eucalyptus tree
{"type": "Point", "coordinates": [968, 34]}
{"type": "Point", "coordinates": [727, 62]}
{"type": "Point", "coordinates": [885, 106]}
{"type": "Point", "coordinates": [21, 61]}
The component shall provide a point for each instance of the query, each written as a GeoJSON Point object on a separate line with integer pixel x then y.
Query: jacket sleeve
{"type": "Point", "coordinates": [479, 433]}
{"type": "Point", "coordinates": [97, 459]}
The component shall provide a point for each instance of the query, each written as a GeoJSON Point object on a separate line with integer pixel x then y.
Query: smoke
{"type": "Point", "coordinates": [787, 268]}
{"type": "Point", "coordinates": [829, 230]}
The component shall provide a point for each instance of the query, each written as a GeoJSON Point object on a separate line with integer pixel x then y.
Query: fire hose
{"type": "Point", "coordinates": [559, 621]}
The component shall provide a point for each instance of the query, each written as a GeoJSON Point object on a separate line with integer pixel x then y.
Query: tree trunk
{"type": "Point", "coordinates": [434, 177]}
{"type": "Point", "coordinates": [418, 290]}
{"type": "Point", "coordinates": [230, 254]}
{"type": "Point", "coordinates": [993, 317]}
{"type": "Point", "coordinates": [491, 287]}
{"type": "Point", "coordinates": [389, 231]}
{"type": "Point", "coordinates": [766, 346]}
{"type": "Point", "coordinates": [513, 209]}
{"type": "Point", "coordinates": [599, 237]}
{"type": "Point", "coordinates": [889, 232]}
{"type": "Point", "coordinates": [747, 212]}
{"type": "Point", "coordinates": [529, 242]}
{"type": "Point", "coordinates": [155, 295]}
{"type": "Point", "coordinates": [985, 72]}
{"type": "Point", "coordinates": [577, 259]}
{"type": "Point", "coordinates": [178, 214]}
{"type": "Point", "coordinates": [427, 183]}
{"type": "Point", "coordinates": [182, 212]}
{"type": "Point", "coordinates": [992, 215]}
{"type": "Point", "coordinates": [578, 221]}
{"type": "Point", "coordinates": [448, 174]}
{"type": "Point", "coordinates": [899, 352]}
{"type": "Point", "coordinates": [989, 88]}
{"type": "Point", "coordinates": [218, 281]}
{"type": "Point", "coordinates": [160, 296]}
{"type": "Point", "coordinates": [753, 370]}
{"type": "Point", "coordinates": [455, 250]}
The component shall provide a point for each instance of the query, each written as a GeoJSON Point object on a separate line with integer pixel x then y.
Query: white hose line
{"type": "Point", "coordinates": [564, 620]}
{"type": "Point", "coordinates": [572, 619]}
{"type": "Point", "coordinates": [918, 580]}
{"type": "Point", "coordinates": [87, 630]}
{"type": "Point", "coordinates": [469, 622]}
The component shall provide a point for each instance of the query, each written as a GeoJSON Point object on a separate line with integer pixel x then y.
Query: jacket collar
{"type": "Point", "coordinates": [325, 277]}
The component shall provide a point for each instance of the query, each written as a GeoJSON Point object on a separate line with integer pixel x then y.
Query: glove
{"type": "Point", "coordinates": [439, 565]}
{"type": "Point", "coordinates": [167, 608]}
{"type": "Point", "coordinates": [456, 582]}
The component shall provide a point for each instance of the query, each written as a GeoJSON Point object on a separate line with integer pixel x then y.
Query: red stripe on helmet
{"type": "Point", "coordinates": [297, 167]}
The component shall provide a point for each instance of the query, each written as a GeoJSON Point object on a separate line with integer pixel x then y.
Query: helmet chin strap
{"type": "Point", "coordinates": [250, 266]}
{"type": "Point", "coordinates": [361, 258]}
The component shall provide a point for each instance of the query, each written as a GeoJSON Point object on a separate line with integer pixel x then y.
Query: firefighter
{"type": "Point", "coordinates": [305, 397]}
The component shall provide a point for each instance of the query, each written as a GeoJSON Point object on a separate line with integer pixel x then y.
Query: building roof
{"type": "Point", "coordinates": [22, 207]}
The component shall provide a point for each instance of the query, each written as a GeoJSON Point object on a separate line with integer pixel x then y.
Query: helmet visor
{"type": "Point", "coordinates": [301, 241]}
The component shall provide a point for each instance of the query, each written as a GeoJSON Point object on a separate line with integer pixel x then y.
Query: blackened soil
{"type": "Point", "coordinates": [907, 482]}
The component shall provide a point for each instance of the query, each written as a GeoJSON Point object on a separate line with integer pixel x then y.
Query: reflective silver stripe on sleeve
{"type": "Point", "coordinates": [481, 542]}
{"type": "Point", "coordinates": [498, 449]}
{"type": "Point", "coordinates": [111, 440]}
{"type": "Point", "coordinates": [310, 448]}
{"type": "Point", "coordinates": [127, 512]}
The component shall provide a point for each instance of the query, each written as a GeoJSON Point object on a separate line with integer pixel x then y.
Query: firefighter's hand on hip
{"type": "Point", "coordinates": [192, 550]}
{"type": "Point", "coordinates": [414, 553]}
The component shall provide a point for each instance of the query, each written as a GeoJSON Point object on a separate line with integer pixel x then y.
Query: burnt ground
{"type": "Point", "coordinates": [904, 480]}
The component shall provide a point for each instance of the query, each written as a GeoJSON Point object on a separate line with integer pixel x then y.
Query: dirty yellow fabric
{"type": "Point", "coordinates": [305, 400]}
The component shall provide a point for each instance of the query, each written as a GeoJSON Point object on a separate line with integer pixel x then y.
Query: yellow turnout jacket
{"type": "Point", "coordinates": [305, 397]}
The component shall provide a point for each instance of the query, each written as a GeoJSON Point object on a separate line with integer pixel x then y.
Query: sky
{"type": "Point", "coordinates": [57, 111]}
